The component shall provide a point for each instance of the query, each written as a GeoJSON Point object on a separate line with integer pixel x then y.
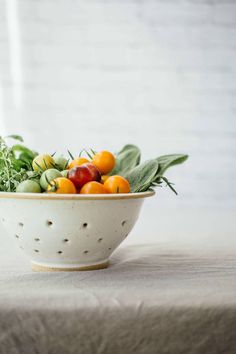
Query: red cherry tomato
{"type": "Point", "coordinates": [84, 174]}
{"type": "Point", "coordinates": [94, 171]}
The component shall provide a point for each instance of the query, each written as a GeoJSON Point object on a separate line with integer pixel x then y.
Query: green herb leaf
{"type": "Point", "coordinates": [126, 160]}
{"type": "Point", "coordinates": [23, 157]}
{"type": "Point", "coordinates": [11, 171]}
{"type": "Point", "coordinates": [21, 149]}
{"type": "Point", "coordinates": [167, 161]}
{"type": "Point", "coordinates": [142, 176]}
{"type": "Point", "coordinates": [16, 137]}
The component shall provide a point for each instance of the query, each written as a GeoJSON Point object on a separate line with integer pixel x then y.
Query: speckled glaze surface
{"type": "Point", "coordinates": [69, 232]}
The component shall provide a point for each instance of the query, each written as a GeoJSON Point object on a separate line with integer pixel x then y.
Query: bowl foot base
{"type": "Point", "coordinates": [41, 268]}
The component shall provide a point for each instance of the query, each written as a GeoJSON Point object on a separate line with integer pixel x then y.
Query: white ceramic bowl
{"type": "Point", "coordinates": [69, 232]}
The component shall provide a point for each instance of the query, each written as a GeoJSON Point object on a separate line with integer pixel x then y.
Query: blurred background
{"type": "Point", "coordinates": [159, 74]}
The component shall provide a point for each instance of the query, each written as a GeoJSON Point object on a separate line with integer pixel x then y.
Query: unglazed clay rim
{"type": "Point", "coordinates": [38, 267]}
{"type": "Point", "coordinates": [45, 196]}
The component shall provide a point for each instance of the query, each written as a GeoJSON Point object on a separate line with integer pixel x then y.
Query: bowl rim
{"type": "Point", "coordinates": [46, 196]}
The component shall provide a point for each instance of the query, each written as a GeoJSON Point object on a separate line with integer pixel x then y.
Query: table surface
{"type": "Point", "coordinates": [154, 298]}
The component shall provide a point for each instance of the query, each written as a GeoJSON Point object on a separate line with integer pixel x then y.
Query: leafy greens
{"type": "Point", "coordinates": [147, 175]}
{"type": "Point", "coordinates": [15, 164]}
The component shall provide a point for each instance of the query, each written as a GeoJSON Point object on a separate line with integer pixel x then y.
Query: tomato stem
{"type": "Point", "coordinates": [50, 184]}
{"type": "Point", "coordinates": [80, 154]}
{"type": "Point", "coordinates": [94, 152]}
{"type": "Point", "coordinates": [70, 154]}
{"type": "Point", "coordinates": [45, 164]}
{"type": "Point", "coordinates": [89, 155]}
{"type": "Point", "coordinates": [67, 163]}
{"type": "Point", "coordinates": [38, 166]}
{"type": "Point", "coordinates": [169, 184]}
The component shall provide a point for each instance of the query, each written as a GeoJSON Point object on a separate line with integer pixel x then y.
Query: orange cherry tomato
{"type": "Point", "coordinates": [77, 162]}
{"type": "Point", "coordinates": [105, 161]}
{"type": "Point", "coordinates": [104, 178]}
{"type": "Point", "coordinates": [117, 184]}
{"type": "Point", "coordinates": [93, 188]}
{"type": "Point", "coordinates": [61, 185]}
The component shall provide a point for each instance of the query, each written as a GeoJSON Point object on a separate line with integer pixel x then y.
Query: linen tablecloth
{"type": "Point", "coordinates": [152, 299]}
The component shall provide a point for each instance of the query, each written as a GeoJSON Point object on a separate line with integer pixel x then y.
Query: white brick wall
{"type": "Point", "coordinates": [161, 74]}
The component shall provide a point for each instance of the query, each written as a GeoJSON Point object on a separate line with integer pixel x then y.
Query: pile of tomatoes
{"type": "Point", "coordinates": [79, 175]}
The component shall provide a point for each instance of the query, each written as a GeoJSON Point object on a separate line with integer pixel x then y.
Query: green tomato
{"type": "Point", "coordinates": [28, 186]}
{"type": "Point", "coordinates": [48, 176]}
{"type": "Point", "coordinates": [64, 173]}
{"type": "Point", "coordinates": [43, 162]}
{"type": "Point", "coordinates": [61, 162]}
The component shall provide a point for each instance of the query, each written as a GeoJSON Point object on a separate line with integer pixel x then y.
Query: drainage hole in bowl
{"type": "Point", "coordinates": [100, 239]}
{"type": "Point", "coordinates": [123, 223]}
{"type": "Point", "coordinates": [85, 224]}
{"type": "Point", "coordinates": [49, 223]}
{"type": "Point", "coordinates": [65, 240]}
{"type": "Point", "coordinates": [109, 248]}
{"type": "Point", "coordinates": [37, 239]}
{"type": "Point", "coordinates": [17, 236]}
{"type": "Point", "coordinates": [59, 252]}
{"type": "Point", "coordinates": [37, 251]}
{"type": "Point", "coordinates": [21, 224]}
{"type": "Point", "coordinates": [3, 219]}
{"type": "Point", "coordinates": [86, 252]}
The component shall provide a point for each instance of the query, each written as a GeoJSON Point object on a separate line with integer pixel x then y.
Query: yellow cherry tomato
{"type": "Point", "coordinates": [117, 184]}
{"type": "Point", "coordinates": [77, 162]}
{"type": "Point", "coordinates": [93, 188]}
{"type": "Point", "coordinates": [105, 161]}
{"type": "Point", "coordinates": [43, 163]}
{"type": "Point", "coordinates": [61, 185]}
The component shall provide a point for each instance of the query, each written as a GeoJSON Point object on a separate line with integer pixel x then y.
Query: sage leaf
{"type": "Point", "coordinates": [126, 160]}
{"type": "Point", "coordinates": [167, 161]}
{"type": "Point", "coordinates": [142, 176]}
